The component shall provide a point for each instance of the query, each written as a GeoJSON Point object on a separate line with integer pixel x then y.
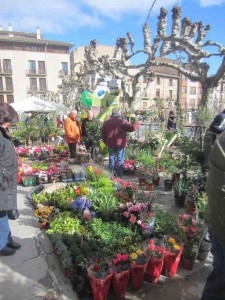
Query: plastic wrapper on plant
{"type": "Point", "coordinates": [172, 257]}
{"type": "Point", "coordinates": [139, 263]}
{"type": "Point", "coordinates": [121, 274]}
{"type": "Point", "coordinates": [100, 285]}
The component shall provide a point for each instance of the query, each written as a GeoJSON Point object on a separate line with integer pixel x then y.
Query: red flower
{"type": "Point", "coordinates": [115, 261]}
{"type": "Point", "coordinates": [96, 267]}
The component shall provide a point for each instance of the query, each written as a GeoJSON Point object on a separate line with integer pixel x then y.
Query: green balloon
{"type": "Point", "coordinates": [86, 98]}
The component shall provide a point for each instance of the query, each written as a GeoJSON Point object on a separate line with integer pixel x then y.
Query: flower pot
{"type": "Point", "coordinates": [100, 286]}
{"type": "Point", "coordinates": [149, 186]}
{"type": "Point", "coordinates": [154, 269]}
{"type": "Point", "coordinates": [168, 184]}
{"type": "Point", "coordinates": [175, 176]}
{"type": "Point", "coordinates": [120, 283]}
{"type": "Point", "coordinates": [137, 275]}
{"type": "Point", "coordinates": [171, 262]}
{"type": "Point", "coordinates": [191, 208]}
{"type": "Point", "coordinates": [204, 248]}
{"type": "Point", "coordinates": [156, 181]}
{"type": "Point", "coordinates": [179, 201]}
{"type": "Point", "coordinates": [141, 181]}
{"type": "Point", "coordinates": [188, 263]}
{"type": "Point", "coordinates": [43, 225]}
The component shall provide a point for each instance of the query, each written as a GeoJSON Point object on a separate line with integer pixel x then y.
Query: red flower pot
{"type": "Point", "coordinates": [137, 275]}
{"type": "Point", "coordinates": [154, 269]}
{"type": "Point", "coordinates": [120, 283]}
{"type": "Point", "coordinates": [141, 181]}
{"type": "Point", "coordinates": [171, 262]}
{"type": "Point", "coordinates": [149, 186]}
{"type": "Point", "coordinates": [100, 286]}
{"type": "Point", "coordinates": [188, 263]}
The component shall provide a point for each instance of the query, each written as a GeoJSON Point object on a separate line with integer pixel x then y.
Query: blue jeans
{"type": "Point", "coordinates": [4, 231]}
{"type": "Point", "coordinates": [116, 159]}
{"type": "Point", "coordinates": [215, 284]}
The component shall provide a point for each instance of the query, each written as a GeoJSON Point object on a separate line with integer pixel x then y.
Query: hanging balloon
{"type": "Point", "coordinates": [86, 98]}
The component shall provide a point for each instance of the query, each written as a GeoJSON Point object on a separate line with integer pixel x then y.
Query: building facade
{"type": "Point", "coordinates": [30, 65]}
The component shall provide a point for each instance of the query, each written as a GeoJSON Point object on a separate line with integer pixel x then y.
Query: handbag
{"type": "Point", "coordinates": [13, 214]}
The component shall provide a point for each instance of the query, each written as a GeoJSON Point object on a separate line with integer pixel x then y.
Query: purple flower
{"type": "Point", "coordinates": [89, 204]}
{"type": "Point", "coordinates": [79, 203]}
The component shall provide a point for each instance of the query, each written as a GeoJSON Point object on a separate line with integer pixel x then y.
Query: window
{"type": "Point", "coordinates": [7, 68]}
{"type": "Point", "coordinates": [1, 98]}
{"type": "Point", "coordinates": [33, 84]}
{"type": "Point", "coordinates": [184, 90]}
{"type": "Point", "coordinates": [158, 80]}
{"type": "Point", "coordinates": [157, 93]}
{"type": "Point", "coordinates": [192, 90]}
{"type": "Point", "coordinates": [144, 105]}
{"type": "Point", "coordinates": [64, 66]}
{"type": "Point", "coordinates": [32, 66]}
{"type": "Point", "coordinates": [10, 99]}
{"type": "Point", "coordinates": [144, 79]}
{"type": "Point", "coordinates": [1, 84]}
{"type": "Point", "coordinates": [170, 82]}
{"type": "Point", "coordinates": [8, 84]}
{"type": "Point", "coordinates": [171, 94]}
{"type": "Point", "coordinates": [41, 67]}
{"type": "Point", "coordinates": [42, 84]}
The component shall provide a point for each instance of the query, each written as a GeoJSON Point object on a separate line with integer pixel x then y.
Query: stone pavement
{"type": "Point", "coordinates": [35, 270]}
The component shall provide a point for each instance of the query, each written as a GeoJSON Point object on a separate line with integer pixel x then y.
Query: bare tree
{"type": "Point", "coordinates": [185, 37]}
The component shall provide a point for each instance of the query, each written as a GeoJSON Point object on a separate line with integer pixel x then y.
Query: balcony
{"type": "Point", "coordinates": [6, 71]}
{"type": "Point", "coordinates": [38, 73]}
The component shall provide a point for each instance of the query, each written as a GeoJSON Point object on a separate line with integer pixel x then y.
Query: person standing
{"type": "Point", "coordinates": [215, 219]}
{"type": "Point", "coordinates": [59, 122]}
{"type": "Point", "coordinates": [8, 178]}
{"type": "Point", "coordinates": [85, 126]}
{"type": "Point", "coordinates": [73, 132]}
{"type": "Point", "coordinates": [113, 133]}
{"type": "Point", "coordinates": [172, 121]}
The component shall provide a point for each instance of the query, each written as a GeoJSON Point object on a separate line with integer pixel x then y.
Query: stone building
{"type": "Point", "coordinates": [30, 64]}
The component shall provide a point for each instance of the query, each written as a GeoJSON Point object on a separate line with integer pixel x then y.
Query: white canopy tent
{"type": "Point", "coordinates": [34, 105]}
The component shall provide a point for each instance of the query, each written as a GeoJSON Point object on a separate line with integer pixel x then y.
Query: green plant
{"type": "Point", "coordinates": [145, 157]}
{"type": "Point", "coordinates": [104, 202]}
{"type": "Point", "coordinates": [165, 223]}
{"type": "Point", "coordinates": [201, 205]}
{"type": "Point", "coordinates": [180, 187]}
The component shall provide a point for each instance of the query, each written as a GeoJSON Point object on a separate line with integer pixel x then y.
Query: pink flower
{"type": "Point", "coordinates": [69, 200]}
{"type": "Point", "coordinates": [132, 219]}
{"type": "Point", "coordinates": [139, 222]}
{"type": "Point", "coordinates": [185, 228]}
{"type": "Point", "coordinates": [126, 214]}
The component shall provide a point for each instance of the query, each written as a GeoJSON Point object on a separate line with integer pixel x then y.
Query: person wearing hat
{"type": "Point", "coordinates": [113, 133]}
{"type": "Point", "coordinates": [8, 178]}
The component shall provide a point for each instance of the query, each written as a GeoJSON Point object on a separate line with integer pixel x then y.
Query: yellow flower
{"type": "Point", "coordinates": [90, 168]}
{"type": "Point", "coordinates": [139, 251]}
{"type": "Point", "coordinates": [176, 247]}
{"type": "Point", "coordinates": [171, 241]}
{"type": "Point", "coordinates": [133, 255]}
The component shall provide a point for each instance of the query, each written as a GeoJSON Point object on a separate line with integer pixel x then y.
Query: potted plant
{"type": "Point", "coordinates": [155, 264]}
{"type": "Point", "coordinates": [121, 274]}
{"type": "Point", "coordinates": [100, 276]}
{"type": "Point", "coordinates": [173, 251]}
{"type": "Point", "coordinates": [201, 205]}
{"type": "Point", "coordinates": [180, 189]}
{"type": "Point", "coordinates": [139, 263]}
{"type": "Point", "coordinates": [191, 234]}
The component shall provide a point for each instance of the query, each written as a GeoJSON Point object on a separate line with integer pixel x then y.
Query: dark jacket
{"type": "Point", "coordinates": [8, 174]}
{"type": "Point", "coordinates": [84, 126]}
{"type": "Point", "coordinates": [215, 187]}
{"type": "Point", "coordinates": [218, 124]}
{"type": "Point", "coordinates": [114, 130]}
{"type": "Point", "coordinates": [171, 123]}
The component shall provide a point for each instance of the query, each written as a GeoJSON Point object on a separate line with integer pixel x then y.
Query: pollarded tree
{"type": "Point", "coordinates": [186, 37]}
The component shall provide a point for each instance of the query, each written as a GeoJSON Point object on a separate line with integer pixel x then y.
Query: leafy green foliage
{"type": "Point", "coordinates": [165, 223]}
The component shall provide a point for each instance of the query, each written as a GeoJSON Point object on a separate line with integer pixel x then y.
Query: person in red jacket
{"type": "Point", "coordinates": [73, 132]}
{"type": "Point", "coordinates": [113, 133]}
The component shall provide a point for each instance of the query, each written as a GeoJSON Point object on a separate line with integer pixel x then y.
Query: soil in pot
{"type": "Point", "coordinates": [179, 201]}
{"type": "Point", "coordinates": [168, 184]}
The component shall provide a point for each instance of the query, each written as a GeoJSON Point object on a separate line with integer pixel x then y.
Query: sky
{"type": "Point", "coordinates": [80, 21]}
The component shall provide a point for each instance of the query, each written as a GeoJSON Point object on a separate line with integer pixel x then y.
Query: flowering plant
{"type": "Point", "coordinates": [83, 207]}
{"type": "Point", "coordinates": [139, 257]}
{"type": "Point", "coordinates": [124, 189]}
{"type": "Point", "coordinates": [129, 165]}
{"type": "Point", "coordinates": [147, 219]}
{"type": "Point", "coordinates": [155, 250]}
{"type": "Point", "coordinates": [171, 245]}
{"type": "Point", "coordinates": [191, 233]}
{"type": "Point", "coordinates": [43, 213]}
{"type": "Point", "coordinates": [81, 149]}
{"type": "Point", "coordinates": [100, 268]}
{"type": "Point", "coordinates": [121, 262]}
{"type": "Point", "coordinates": [93, 173]}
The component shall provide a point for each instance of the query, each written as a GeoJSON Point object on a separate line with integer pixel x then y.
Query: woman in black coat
{"type": "Point", "coordinates": [8, 178]}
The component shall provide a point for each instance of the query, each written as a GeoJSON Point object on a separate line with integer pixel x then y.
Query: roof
{"type": "Point", "coordinates": [29, 38]}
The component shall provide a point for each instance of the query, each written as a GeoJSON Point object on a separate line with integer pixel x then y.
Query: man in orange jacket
{"type": "Point", "coordinates": [72, 131]}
